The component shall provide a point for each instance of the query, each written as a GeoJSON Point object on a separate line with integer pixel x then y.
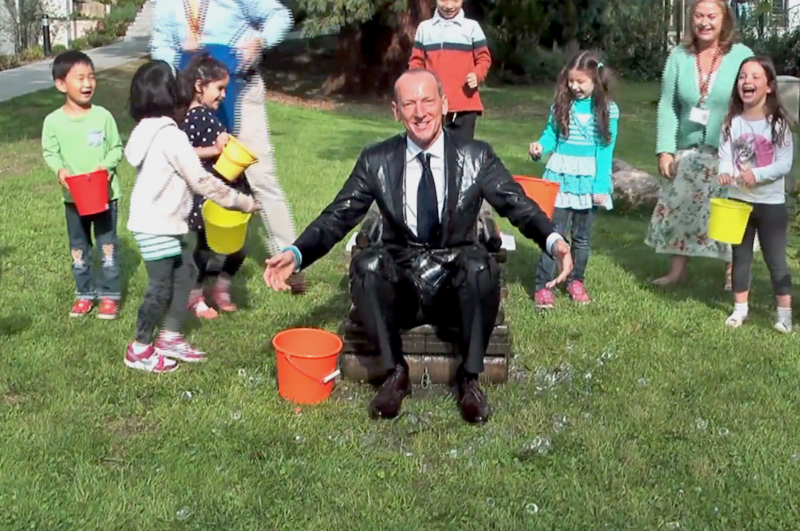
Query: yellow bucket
{"type": "Point", "coordinates": [728, 220]}
{"type": "Point", "coordinates": [226, 230]}
{"type": "Point", "coordinates": [235, 158]}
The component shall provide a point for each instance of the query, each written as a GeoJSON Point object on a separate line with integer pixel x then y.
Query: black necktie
{"type": "Point", "coordinates": [427, 205]}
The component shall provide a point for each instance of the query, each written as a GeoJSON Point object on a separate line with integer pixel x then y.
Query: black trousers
{"type": "Point", "coordinates": [389, 300]}
{"type": "Point", "coordinates": [771, 222]}
{"type": "Point", "coordinates": [461, 123]}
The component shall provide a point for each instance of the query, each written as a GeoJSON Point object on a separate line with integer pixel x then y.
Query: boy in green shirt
{"type": "Point", "coordinates": [80, 138]}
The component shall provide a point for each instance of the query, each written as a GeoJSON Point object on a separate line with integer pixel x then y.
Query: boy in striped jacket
{"type": "Point", "coordinates": [455, 48]}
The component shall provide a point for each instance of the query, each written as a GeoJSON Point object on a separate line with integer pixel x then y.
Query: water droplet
{"type": "Point", "coordinates": [242, 373]}
{"type": "Point", "coordinates": [570, 347]}
{"type": "Point", "coordinates": [587, 376]}
{"type": "Point", "coordinates": [216, 431]}
{"type": "Point", "coordinates": [159, 470]}
{"type": "Point", "coordinates": [183, 514]}
{"type": "Point", "coordinates": [700, 423]}
{"type": "Point", "coordinates": [531, 508]}
{"type": "Point", "coordinates": [409, 454]}
{"type": "Point", "coordinates": [723, 432]}
{"type": "Point", "coordinates": [187, 396]}
{"type": "Point", "coordinates": [490, 502]}
{"type": "Point", "coordinates": [236, 415]}
{"type": "Point", "coordinates": [427, 468]}
{"type": "Point", "coordinates": [219, 469]}
{"type": "Point", "coordinates": [681, 493]}
{"type": "Point", "coordinates": [642, 382]}
{"type": "Point", "coordinates": [608, 354]}
{"type": "Point", "coordinates": [453, 453]}
{"type": "Point", "coordinates": [795, 458]}
{"type": "Point", "coordinates": [673, 525]}
{"type": "Point", "coordinates": [539, 445]}
{"type": "Point", "coordinates": [298, 438]}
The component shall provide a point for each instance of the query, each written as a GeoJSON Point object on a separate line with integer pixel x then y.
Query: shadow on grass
{"type": "Point", "coordinates": [129, 260]}
{"type": "Point", "coordinates": [621, 235]}
{"type": "Point", "coordinates": [13, 325]}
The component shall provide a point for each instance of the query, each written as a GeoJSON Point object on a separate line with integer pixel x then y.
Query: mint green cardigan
{"type": "Point", "coordinates": [680, 92]}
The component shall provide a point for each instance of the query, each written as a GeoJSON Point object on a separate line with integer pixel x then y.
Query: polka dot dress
{"type": "Point", "coordinates": [203, 128]}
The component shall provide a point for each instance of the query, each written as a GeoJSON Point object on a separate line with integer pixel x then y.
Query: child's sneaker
{"type": "Point", "coordinates": [149, 361]}
{"type": "Point", "coordinates": [221, 295]}
{"type": "Point", "coordinates": [544, 299]}
{"type": "Point", "coordinates": [577, 292]}
{"type": "Point", "coordinates": [81, 308]}
{"type": "Point", "coordinates": [198, 306]}
{"type": "Point", "coordinates": [108, 310]}
{"type": "Point", "coordinates": [172, 345]}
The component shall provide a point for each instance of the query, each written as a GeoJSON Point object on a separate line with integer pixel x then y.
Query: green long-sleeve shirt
{"type": "Point", "coordinates": [680, 92]}
{"type": "Point", "coordinates": [81, 145]}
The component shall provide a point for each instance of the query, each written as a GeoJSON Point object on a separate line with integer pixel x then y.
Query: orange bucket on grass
{"type": "Point", "coordinates": [541, 191]}
{"type": "Point", "coordinates": [89, 191]}
{"type": "Point", "coordinates": [307, 364]}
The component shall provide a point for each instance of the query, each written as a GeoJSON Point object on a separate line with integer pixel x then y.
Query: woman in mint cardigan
{"type": "Point", "coordinates": [695, 90]}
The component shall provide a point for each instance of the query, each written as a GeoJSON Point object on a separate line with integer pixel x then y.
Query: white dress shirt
{"type": "Point", "coordinates": [413, 175]}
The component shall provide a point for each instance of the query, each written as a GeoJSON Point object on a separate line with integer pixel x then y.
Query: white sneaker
{"type": "Point", "coordinates": [735, 320]}
{"type": "Point", "coordinates": [149, 361]}
{"type": "Point", "coordinates": [782, 328]}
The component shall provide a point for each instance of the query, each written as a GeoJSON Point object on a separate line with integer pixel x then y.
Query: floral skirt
{"type": "Point", "coordinates": [680, 220]}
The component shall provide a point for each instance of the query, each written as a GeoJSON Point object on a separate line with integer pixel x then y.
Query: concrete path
{"type": "Point", "coordinates": [37, 76]}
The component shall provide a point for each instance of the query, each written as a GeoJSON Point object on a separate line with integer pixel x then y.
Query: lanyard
{"type": "Point", "coordinates": [704, 83]}
{"type": "Point", "coordinates": [195, 13]}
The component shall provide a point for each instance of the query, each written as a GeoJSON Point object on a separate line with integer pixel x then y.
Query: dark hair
{"type": "Point", "coordinates": [776, 114]}
{"type": "Point", "coordinates": [727, 36]}
{"type": "Point", "coordinates": [590, 63]}
{"type": "Point", "coordinates": [205, 69]}
{"type": "Point", "coordinates": [155, 92]}
{"type": "Point", "coordinates": [65, 62]}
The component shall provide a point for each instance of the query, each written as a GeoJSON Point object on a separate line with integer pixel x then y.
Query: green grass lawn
{"type": "Point", "coordinates": [640, 411]}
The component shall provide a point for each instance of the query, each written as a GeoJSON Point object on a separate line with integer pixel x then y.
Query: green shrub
{"type": "Point", "coordinates": [8, 61]}
{"type": "Point", "coordinates": [784, 49]}
{"type": "Point", "coordinates": [81, 43]}
{"type": "Point", "coordinates": [34, 53]}
{"type": "Point", "coordinates": [57, 49]}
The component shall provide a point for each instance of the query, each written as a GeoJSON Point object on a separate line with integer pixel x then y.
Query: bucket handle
{"type": "Point", "coordinates": [324, 380]}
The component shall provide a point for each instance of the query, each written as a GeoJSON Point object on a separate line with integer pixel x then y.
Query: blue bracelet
{"type": "Point", "coordinates": [298, 258]}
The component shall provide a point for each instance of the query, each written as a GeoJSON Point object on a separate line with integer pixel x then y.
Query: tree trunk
{"type": "Point", "coordinates": [370, 56]}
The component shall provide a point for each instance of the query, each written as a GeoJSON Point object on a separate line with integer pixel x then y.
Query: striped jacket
{"type": "Point", "coordinates": [453, 48]}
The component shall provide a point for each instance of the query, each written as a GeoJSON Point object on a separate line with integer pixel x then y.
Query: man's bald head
{"type": "Point", "coordinates": [409, 79]}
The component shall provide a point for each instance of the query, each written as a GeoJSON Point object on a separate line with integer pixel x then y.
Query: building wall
{"type": "Point", "coordinates": [6, 43]}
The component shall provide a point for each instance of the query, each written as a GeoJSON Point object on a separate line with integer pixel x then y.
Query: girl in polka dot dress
{"type": "Point", "coordinates": [209, 79]}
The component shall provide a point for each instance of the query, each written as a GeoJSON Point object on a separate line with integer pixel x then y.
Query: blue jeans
{"type": "Point", "coordinates": [79, 229]}
{"type": "Point", "coordinates": [580, 237]}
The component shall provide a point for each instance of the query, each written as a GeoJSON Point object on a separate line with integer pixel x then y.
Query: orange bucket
{"type": "Point", "coordinates": [541, 191]}
{"type": "Point", "coordinates": [307, 360]}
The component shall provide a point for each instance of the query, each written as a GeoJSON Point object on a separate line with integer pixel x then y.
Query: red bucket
{"type": "Point", "coordinates": [541, 191]}
{"type": "Point", "coordinates": [90, 192]}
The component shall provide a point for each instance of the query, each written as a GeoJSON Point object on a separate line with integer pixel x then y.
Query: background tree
{"type": "Point", "coordinates": [374, 40]}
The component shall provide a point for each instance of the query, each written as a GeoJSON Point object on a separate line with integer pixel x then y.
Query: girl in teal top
{"type": "Point", "coordinates": [695, 91]}
{"type": "Point", "coordinates": [581, 132]}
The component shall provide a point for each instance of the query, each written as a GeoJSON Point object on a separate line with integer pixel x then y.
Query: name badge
{"type": "Point", "coordinates": [699, 116]}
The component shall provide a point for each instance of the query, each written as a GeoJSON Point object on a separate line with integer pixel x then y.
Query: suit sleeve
{"type": "Point", "coordinates": [510, 201]}
{"type": "Point", "coordinates": [417, 59]}
{"type": "Point", "coordinates": [480, 53]}
{"type": "Point", "coordinates": [346, 211]}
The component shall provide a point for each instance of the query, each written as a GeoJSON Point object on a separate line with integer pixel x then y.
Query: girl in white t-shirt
{"type": "Point", "coordinates": [755, 154]}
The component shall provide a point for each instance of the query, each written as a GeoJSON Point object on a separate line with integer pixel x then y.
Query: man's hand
{"type": "Point", "coordinates": [598, 199]}
{"type": "Point", "coordinates": [222, 141]}
{"type": "Point", "coordinates": [563, 257]}
{"type": "Point", "coordinates": [748, 178]}
{"type": "Point", "coordinates": [251, 51]}
{"type": "Point", "coordinates": [535, 150]}
{"type": "Point", "coordinates": [62, 177]}
{"type": "Point", "coordinates": [724, 179]}
{"type": "Point", "coordinates": [472, 80]}
{"type": "Point", "coordinates": [666, 163]}
{"type": "Point", "coordinates": [279, 268]}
